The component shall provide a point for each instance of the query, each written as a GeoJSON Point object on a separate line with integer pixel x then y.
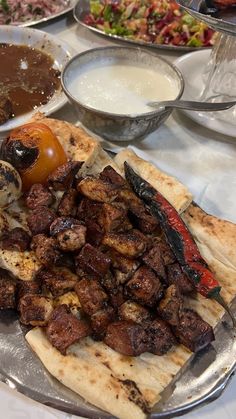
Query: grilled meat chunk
{"type": "Point", "coordinates": [97, 190]}
{"type": "Point", "coordinates": [131, 311]}
{"type": "Point", "coordinates": [176, 276]}
{"type": "Point", "coordinates": [100, 321]}
{"type": "Point", "coordinates": [113, 217]}
{"type": "Point", "coordinates": [171, 305]}
{"type": "Point", "coordinates": [167, 255]}
{"type": "Point", "coordinates": [127, 338]}
{"type": "Point", "coordinates": [111, 176]}
{"type": "Point", "coordinates": [7, 291]}
{"type": "Point", "coordinates": [91, 295]}
{"type": "Point", "coordinates": [27, 287]}
{"type": "Point", "coordinates": [71, 239]}
{"type": "Point", "coordinates": [160, 337]}
{"type": "Point", "coordinates": [38, 196]}
{"type": "Point", "coordinates": [131, 244]}
{"type": "Point", "coordinates": [56, 280]}
{"type": "Point", "coordinates": [35, 309]}
{"type": "Point", "coordinates": [6, 109]}
{"type": "Point", "coordinates": [94, 233]}
{"type": "Point", "coordinates": [88, 210]}
{"type": "Point", "coordinates": [123, 268]}
{"type": "Point", "coordinates": [40, 219]}
{"type": "Point", "coordinates": [142, 219]}
{"type": "Point", "coordinates": [117, 297]}
{"type": "Point", "coordinates": [46, 249]}
{"type": "Point", "coordinates": [153, 259]}
{"type": "Point", "coordinates": [64, 328]}
{"type": "Point", "coordinates": [62, 177]}
{"type": "Point", "coordinates": [192, 331]}
{"type": "Point", "coordinates": [61, 224]}
{"type": "Point", "coordinates": [92, 261]}
{"type": "Point", "coordinates": [144, 287]}
{"type": "Point", "coordinates": [68, 204]}
{"type": "Point", "coordinates": [16, 239]}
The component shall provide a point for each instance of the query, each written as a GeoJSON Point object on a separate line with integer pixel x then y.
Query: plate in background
{"type": "Point", "coordinates": [192, 66]}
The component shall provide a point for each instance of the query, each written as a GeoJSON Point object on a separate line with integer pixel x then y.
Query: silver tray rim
{"type": "Point", "coordinates": [78, 17]}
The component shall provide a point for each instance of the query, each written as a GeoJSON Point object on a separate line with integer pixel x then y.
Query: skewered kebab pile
{"type": "Point", "coordinates": [100, 246]}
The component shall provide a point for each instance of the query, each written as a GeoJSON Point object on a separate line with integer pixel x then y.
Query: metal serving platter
{"type": "Point", "coordinates": [202, 379]}
{"type": "Point", "coordinates": [69, 6]}
{"type": "Point", "coordinates": [221, 21]}
{"type": "Point", "coordinates": [82, 8]}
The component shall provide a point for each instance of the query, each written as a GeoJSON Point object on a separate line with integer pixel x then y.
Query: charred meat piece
{"type": "Point", "coordinates": [40, 219]}
{"type": "Point", "coordinates": [63, 177]}
{"type": "Point", "coordinates": [127, 338]}
{"type": "Point", "coordinates": [131, 244]}
{"type": "Point", "coordinates": [38, 196]}
{"type": "Point", "coordinates": [27, 287]}
{"type": "Point", "coordinates": [35, 309]}
{"type": "Point", "coordinates": [17, 239]}
{"type": "Point", "coordinates": [100, 321]}
{"type": "Point", "coordinates": [72, 239]}
{"type": "Point", "coordinates": [64, 328]}
{"type": "Point", "coordinates": [57, 280]}
{"type": "Point", "coordinates": [123, 268]}
{"type": "Point", "coordinates": [109, 282]}
{"type": "Point", "coordinates": [176, 276]}
{"type": "Point", "coordinates": [117, 297]}
{"type": "Point", "coordinates": [168, 256]}
{"type": "Point", "coordinates": [91, 295]}
{"type": "Point", "coordinates": [131, 311]}
{"type": "Point", "coordinates": [153, 259]}
{"type": "Point", "coordinates": [94, 233]}
{"type": "Point", "coordinates": [160, 337]}
{"type": "Point", "coordinates": [144, 287]}
{"type": "Point", "coordinates": [111, 176]}
{"type": "Point", "coordinates": [68, 204]}
{"type": "Point", "coordinates": [97, 190]}
{"type": "Point", "coordinates": [46, 249]}
{"type": "Point", "coordinates": [6, 110]}
{"type": "Point", "coordinates": [92, 261]}
{"type": "Point", "coordinates": [113, 217]}
{"type": "Point", "coordinates": [192, 331]}
{"type": "Point", "coordinates": [171, 305]}
{"type": "Point", "coordinates": [7, 292]}
{"type": "Point", "coordinates": [142, 219]}
{"type": "Point", "coordinates": [61, 224]}
{"type": "Point", "coordinates": [88, 210]}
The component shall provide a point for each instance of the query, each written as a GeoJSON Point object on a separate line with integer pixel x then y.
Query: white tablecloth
{"type": "Point", "coordinates": [200, 158]}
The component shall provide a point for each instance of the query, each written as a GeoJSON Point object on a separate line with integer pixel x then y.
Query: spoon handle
{"type": "Point", "coordinates": [192, 105]}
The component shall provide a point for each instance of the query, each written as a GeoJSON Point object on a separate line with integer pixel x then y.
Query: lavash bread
{"type": "Point", "coordinates": [78, 144]}
{"type": "Point", "coordinates": [174, 191]}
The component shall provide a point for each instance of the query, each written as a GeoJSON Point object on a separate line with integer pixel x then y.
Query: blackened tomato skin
{"type": "Point", "coordinates": [34, 151]}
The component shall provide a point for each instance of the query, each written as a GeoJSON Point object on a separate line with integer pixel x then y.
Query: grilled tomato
{"type": "Point", "coordinates": [34, 151]}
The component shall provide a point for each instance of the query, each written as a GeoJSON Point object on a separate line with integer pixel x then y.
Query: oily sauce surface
{"type": "Point", "coordinates": [26, 77]}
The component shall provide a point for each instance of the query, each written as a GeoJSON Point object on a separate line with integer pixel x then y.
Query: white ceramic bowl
{"type": "Point", "coordinates": [59, 51]}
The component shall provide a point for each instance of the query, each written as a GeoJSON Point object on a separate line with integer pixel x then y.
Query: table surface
{"type": "Point", "coordinates": [180, 147]}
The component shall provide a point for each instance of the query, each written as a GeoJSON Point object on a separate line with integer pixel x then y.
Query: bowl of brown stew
{"type": "Point", "coordinates": [30, 74]}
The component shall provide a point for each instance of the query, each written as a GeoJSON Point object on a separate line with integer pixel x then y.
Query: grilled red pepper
{"type": "Point", "coordinates": [178, 236]}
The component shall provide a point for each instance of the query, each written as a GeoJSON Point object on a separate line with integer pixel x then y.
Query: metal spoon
{"type": "Point", "coordinates": [192, 105]}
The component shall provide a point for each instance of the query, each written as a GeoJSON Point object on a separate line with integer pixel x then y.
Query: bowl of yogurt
{"type": "Point", "coordinates": [111, 86]}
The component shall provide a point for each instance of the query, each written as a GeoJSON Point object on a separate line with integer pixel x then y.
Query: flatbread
{"type": "Point", "coordinates": [174, 191]}
{"type": "Point", "coordinates": [77, 143]}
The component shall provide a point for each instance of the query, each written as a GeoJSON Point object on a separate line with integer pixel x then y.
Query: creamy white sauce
{"type": "Point", "coordinates": [121, 88]}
